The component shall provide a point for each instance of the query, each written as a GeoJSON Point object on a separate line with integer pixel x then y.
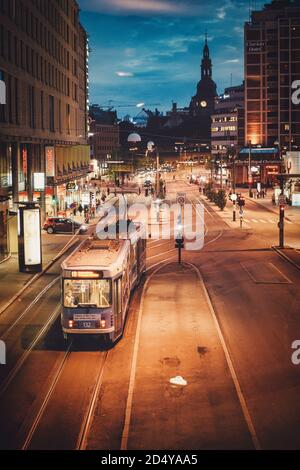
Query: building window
{"type": "Point", "coordinates": [17, 104]}
{"type": "Point", "coordinates": [2, 106]}
{"type": "Point", "coordinates": [51, 113]}
{"type": "Point", "coordinates": [68, 118]}
{"type": "Point", "coordinates": [31, 107]}
{"type": "Point", "coordinates": [42, 110]}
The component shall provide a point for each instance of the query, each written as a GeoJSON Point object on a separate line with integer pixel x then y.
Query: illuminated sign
{"type": "Point", "coordinates": [296, 94]}
{"type": "Point", "coordinates": [87, 274]}
{"type": "Point", "coordinates": [71, 186]}
{"type": "Point", "coordinates": [24, 161]}
{"type": "Point", "coordinates": [2, 90]}
{"type": "Point", "coordinates": [255, 46]}
{"type": "Point", "coordinates": [50, 161]}
{"type": "Point", "coordinates": [272, 170]}
{"type": "Point", "coordinates": [39, 181]}
{"type": "Point", "coordinates": [32, 237]}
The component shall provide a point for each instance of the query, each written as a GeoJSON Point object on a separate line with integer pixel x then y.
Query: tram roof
{"type": "Point", "coordinates": [95, 253]}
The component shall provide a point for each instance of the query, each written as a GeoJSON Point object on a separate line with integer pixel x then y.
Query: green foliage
{"type": "Point", "coordinates": [221, 199]}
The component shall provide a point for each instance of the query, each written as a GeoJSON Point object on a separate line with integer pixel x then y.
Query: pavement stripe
{"type": "Point", "coordinates": [128, 410]}
{"type": "Point", "coordinates": [254, 220]}
{"type": "Point", "coordinates": [263, 221]}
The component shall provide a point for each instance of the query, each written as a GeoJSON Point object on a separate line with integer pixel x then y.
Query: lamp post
{"type": "Point", "coordinates": [151, 147]}
{"type": "Point", "coordinates": [134, 139]}
{"type": "Point", "coordinates": [281, 200]}
{"type": "Point", "coordinates": [249, 169]}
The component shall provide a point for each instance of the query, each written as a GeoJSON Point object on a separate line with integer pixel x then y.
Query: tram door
{"type": "Point", "coordinates": [118, 305]}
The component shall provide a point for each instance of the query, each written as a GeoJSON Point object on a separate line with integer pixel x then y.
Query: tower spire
{"type": "Point", "coordinates": [206, 65]}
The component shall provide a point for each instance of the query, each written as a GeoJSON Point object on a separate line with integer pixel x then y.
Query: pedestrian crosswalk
{"type": "Point", "coordinates": [265, 221]}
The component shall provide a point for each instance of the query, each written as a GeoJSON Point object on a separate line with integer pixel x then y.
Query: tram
{"type": "Point", "coordinates": [97, 281]}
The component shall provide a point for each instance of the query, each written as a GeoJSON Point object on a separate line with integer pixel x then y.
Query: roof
{"type": "Point", "coordinates": [95, 253]}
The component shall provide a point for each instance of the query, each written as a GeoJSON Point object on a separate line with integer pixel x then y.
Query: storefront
{"type": "Point", "coordinates": [4, 213]}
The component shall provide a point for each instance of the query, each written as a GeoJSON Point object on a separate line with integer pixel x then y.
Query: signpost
{"type": "Point", "coordinates": [241, 217]}
{"type": "Point", "coordinates": [234, 199]}
{"type": "Point", "coordinates": [181, 198]}
{"type": "Point", "coordinates": [282, 204]}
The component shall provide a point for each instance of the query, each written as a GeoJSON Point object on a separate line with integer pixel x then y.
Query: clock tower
{"type": "Point", "coordinates": [203, 102]}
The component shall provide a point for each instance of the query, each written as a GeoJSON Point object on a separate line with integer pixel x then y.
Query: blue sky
{"type": "Point", "coordinates": [150, 50]}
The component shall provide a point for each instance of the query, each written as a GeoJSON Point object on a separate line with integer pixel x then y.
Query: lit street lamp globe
{"type": "Point", "coordinates": [134, 138]}
{"type": "Point", "coordinates": [150, 145]}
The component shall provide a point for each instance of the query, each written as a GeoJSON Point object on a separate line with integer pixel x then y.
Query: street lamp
{"type": "Point", "coordinates": [151, 147]}
{"type": "Point", "coordinates": [133, 138]}
{"type": "Point", "coordinates": [249, 169]}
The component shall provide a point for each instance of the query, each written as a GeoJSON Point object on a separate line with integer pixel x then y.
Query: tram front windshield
{"type": "Point", "coordinates": [87, 293]}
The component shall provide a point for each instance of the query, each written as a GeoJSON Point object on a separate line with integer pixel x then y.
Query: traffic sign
{"type": "Point", "coordinates": [241, 212]}
{"type": "Point", "coordinates": [281, 200]}
{"type": "Point", "coordinates": [181, 198]}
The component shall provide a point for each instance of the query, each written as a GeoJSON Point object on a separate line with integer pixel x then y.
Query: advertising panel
{"type": "Point", "coordinates": [32, 237]}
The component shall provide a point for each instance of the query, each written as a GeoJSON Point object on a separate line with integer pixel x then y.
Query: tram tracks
{"type": "Point", "coordinates": [61, 371]}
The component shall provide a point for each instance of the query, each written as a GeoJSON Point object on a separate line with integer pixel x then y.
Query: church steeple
{"type": "Point", "coordinates": [203, 103]}
{"type": "Point", "coordinates": [206, 65]}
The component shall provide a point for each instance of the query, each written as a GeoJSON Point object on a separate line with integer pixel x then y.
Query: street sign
{"type": "Point", "coordinates": [241, 212]}
{"type": "Point", "coordinates": [181, 198]}
{"type": "Point", "coordinates": [281, 200]}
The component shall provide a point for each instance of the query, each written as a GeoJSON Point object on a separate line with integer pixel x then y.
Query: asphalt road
{"type": "Point", "coordinates": [230, 337]}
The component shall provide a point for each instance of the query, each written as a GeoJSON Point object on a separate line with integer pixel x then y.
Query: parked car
{"type": "Point", "coordinates": [63, 225]}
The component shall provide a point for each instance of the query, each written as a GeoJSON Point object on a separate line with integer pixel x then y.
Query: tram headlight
{"type": "Point", "coordinates": [103, 323]}
{"type": "Point", "coordinates": [71, 323]}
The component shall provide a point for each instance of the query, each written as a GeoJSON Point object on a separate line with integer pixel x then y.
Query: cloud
{"type": "Point", "coordinates": [231, 61]}
{"type": "Point", "coordinates": [191, 8]}
{"type": "Point", "coordinates": [221, 13]}
{"type": "Point", "coordinates": [124, 74]}
{"type": "Point", "coordinates": [133, 6]}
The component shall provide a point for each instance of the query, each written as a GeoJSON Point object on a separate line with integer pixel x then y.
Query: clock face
{"type": "Point", "coordinates": [203, 104]}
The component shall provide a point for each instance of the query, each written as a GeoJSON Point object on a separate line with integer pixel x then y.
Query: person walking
{"type": "Point", "coordinates": [80, 209]}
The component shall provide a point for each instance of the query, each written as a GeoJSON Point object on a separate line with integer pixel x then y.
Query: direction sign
{"type": "Point", "coordinates": [181, 198]}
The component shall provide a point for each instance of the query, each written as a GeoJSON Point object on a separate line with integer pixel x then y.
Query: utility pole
{"type": "Point", "coordinates": [249, 169]}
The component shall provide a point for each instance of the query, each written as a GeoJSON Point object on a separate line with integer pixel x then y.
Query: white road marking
{"type": "Point", "coordinates": [283, 275]}
{"type": "Point", "coordinates": [263, 221]}
{"type": "Point", "coordinates": [128, 409]}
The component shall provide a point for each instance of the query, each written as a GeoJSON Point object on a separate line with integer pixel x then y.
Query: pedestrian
{"type": "Point", "coordinates": [87, 217]}
{"type": "Point", "coordinates": [108, 191]}
{"type": "Point", "coordinates": [75, 211]}
{"type": "Point", "coordinates": [80, 209]}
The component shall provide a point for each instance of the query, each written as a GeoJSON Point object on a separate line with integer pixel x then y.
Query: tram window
{"type": "Point", "coordinates": [87, 293]}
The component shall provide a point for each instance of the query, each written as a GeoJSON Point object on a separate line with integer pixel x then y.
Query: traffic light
{"type": "Point", "coordinates": [179, 242]}
{"type": "Point", "coordinates": [241, 201]}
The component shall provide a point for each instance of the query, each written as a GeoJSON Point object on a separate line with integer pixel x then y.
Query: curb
{"type": "Point", "coordinates": [285, 257]}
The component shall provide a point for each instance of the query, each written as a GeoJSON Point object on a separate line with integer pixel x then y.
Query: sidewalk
{"type": "Point", "coordinates": [227, 214]}
{"type": "Point", "coordinates": [12, 281]}
{"type": "Point", "coordinates": [291, 213]}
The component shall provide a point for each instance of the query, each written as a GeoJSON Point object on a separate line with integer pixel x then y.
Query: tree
{"type": "Point", "coordinates": [221, 199]}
